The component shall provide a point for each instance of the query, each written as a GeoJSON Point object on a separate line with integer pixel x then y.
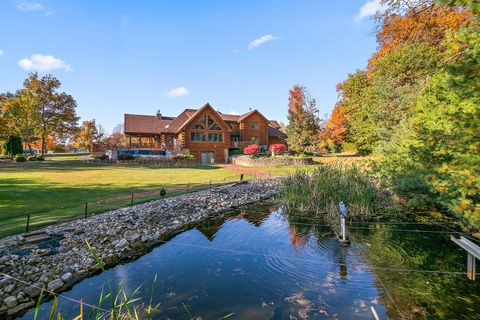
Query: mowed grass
{"type": "Point", "coordinates": [57, 189]}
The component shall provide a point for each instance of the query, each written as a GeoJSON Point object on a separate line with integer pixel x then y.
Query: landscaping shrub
{"type": "Point", "coordinates": [251, 150]}
{"type": "Point", "coordinates": [234, 152]}
{"type": "Point", "coordinates": [184, 156]}
{"type": "Point", "coordinates": [277, 148]}
{"type": "Point", "coordinates": [125, 157]}
{"type": "Point", "coordinates": [19, 158]}
{"type": "Point", "coordinates": [101, 158]}
{"type": "Point", "coordinates": [39, 157]}
{"type": "Point", "coordinates": [32, 158]}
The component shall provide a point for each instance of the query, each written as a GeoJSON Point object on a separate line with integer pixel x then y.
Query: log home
{"type": "Point", "coordinates": [205, 133]}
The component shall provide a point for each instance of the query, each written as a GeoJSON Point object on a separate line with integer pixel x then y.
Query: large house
{"type": "Point", "coordinates": [205, 133]}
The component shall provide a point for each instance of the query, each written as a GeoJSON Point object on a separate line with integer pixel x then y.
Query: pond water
{"type": "Point", "coordinates": [262, 264]}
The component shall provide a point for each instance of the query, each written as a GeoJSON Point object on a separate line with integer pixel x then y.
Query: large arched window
{"type": "Point", "coordinates": [206, 129]}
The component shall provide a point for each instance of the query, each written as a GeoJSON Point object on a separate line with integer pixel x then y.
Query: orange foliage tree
{"type": "Point", "coordinates": [425, 23]}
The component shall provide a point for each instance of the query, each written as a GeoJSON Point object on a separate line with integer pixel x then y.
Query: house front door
{"type": "Point", "coordinates": [207, 157]}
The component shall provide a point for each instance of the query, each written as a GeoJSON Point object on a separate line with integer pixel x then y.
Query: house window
{"type": "Point", "coordinates": [215, 137]}
{"type": "Point", "coordinates": [170, 139]}
{"type": "Point", "coordinates": [197, 137]}
{"type": "Point", "coordinates": [255, 125]}
{"type": "Point", "coordinates": [212, 125]}
{"type": "Point", "coordinates": [201, 124]}
{"type": "Point", "coordinates": [254, 140]}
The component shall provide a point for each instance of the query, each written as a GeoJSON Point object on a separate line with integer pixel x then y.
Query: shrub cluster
{"type": "Point", "coordinates": [251, 150]}
{"type": "Point", "coordinates": [19, 158]}
{"type": "Point", "coordinates": [125, 157]}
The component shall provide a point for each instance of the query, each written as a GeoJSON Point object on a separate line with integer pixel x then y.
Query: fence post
{"type": "Point", "coordinates": [28, 222]}
{"type": "Point", "coordinates": [241, 177]}
{"type": "Point", "coordinates": [86, 210]}
{"type": "Point", "coordinates": [131, 201]}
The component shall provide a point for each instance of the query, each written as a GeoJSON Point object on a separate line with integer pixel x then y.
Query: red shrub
{"type": "Point", "coordinates": [251, 150]}
{"type": "Point", "coordinates": [278, 147]}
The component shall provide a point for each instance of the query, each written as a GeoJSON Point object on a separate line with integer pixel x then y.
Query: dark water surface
{"type": "Point", "coordinates": [261, 264]}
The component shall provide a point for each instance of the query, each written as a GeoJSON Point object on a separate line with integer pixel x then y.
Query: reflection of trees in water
{"type": "Point", "coordinates": [420, 295]}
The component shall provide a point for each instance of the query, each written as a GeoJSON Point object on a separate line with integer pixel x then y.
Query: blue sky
{"type": "Point", "coordinates": [121, 56]}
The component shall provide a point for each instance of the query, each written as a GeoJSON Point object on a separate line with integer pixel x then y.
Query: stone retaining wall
{"type": "Point", "coordinates": [116, 236]}
{"type": "Point", "coordinates": [248, 161]}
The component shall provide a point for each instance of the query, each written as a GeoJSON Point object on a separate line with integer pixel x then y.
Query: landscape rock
{"type": "Point", "coordinates": [55, 285]}
{"type": "Point", "coordinates": [10, 301]}
{"type": "Point", "coordinates": [120, 234]}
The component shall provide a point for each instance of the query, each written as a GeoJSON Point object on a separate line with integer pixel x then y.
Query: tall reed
{"type": "Point", "coordinates": [318, 192]}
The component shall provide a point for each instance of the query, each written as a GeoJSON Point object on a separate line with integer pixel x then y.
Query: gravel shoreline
{"type": "Point", "coordinates": [116, 236]}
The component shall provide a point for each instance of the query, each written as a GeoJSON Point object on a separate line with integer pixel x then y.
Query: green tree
{"type": "Point", "coordinates": [13, 146]}
{"type": "Point", "coordinates": [303, 127]}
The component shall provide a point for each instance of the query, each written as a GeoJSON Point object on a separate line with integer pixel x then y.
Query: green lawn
{"type": "Point", "coordinates": [64, 184]}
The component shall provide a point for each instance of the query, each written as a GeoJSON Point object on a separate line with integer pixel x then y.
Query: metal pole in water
{"type": "Point", "coordinates": [343, 215]}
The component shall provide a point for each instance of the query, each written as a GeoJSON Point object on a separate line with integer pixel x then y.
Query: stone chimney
{"type": "Point", "coordinates": [159, 114]}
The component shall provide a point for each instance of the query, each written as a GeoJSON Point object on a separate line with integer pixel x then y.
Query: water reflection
{"type": "Point", "coordinates": [262, 264]}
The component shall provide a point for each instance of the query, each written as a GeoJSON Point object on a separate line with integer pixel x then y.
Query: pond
{"type": "Point", "coordinates": [262, 264]}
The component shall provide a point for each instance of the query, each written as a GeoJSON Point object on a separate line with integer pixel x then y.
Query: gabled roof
{"type": "Point", "coordinates": [206, 106]}
{"type": "Point", "coordinates": [274, 132]}
{"type": "Point", "coordinates": [153, 125]}
{"type": "Point", "coordinates": [275, 124]}
{"type": "Point", "coordinates": [135, 123]}
{"type": "Point", "coordinates": [178, 123]}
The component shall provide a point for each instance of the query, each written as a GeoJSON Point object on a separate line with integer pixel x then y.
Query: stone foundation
{"type": "Point", "coordinates": [248, 161]}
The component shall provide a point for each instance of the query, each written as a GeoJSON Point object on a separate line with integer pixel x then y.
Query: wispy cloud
{"type": "Point", "coordinates": [43, 63]}
{"type": "Point", "coordinates": [234, 113]}
{"type": "Point", "coordinates": [26, 6]}
{"type": "Point", "coordinates": [258, 42]}
{"type": "Point", "coordinates": [369, 9]}
{"type": "Point", "coordinates": [1, 52]}
{"type": "Point", "coordinates": [177, 92]}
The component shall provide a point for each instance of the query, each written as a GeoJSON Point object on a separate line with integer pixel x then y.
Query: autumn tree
{"type": "Point", "coordinates": [87, 134]}
{"type": "Point", "coordinates": [334, 130]}
{"type": "Point", "coordinates": [117, 139]}
{"type": "Point", "coordinates": [304, 125]}
{"type": "Point", "coordinates": [57, 109]}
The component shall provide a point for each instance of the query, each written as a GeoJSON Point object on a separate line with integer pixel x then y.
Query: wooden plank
{"type": "Point", "coordinates": [468, 246]}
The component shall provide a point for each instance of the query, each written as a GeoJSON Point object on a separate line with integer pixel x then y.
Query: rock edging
{"type": "Point", "coordinates": [115, 236]}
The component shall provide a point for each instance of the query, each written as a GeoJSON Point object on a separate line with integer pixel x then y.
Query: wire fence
{"type": "Point", "coordinates": [31, 221]}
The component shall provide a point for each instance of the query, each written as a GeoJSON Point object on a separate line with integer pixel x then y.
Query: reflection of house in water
{"type": "Point", "coordinates": [255, 218]}
{"type": "Point", "coordinates": [210, 228]}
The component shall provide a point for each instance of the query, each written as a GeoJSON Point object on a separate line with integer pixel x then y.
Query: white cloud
{"type": "Point", "coordinates": [369, 9]}
{"type": "Point", "coordinates": [1, 52]}
{"type": "Point", "coordinates": [177, 92]}
{"type": "Point", "coordinates": [258, 42]}
{"type": "Point", "coordinates": [43, 63]}
{"type": "Point", "coordinates": [27, 6]}
{"type": "Point", "coordinates": [234, 113]}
